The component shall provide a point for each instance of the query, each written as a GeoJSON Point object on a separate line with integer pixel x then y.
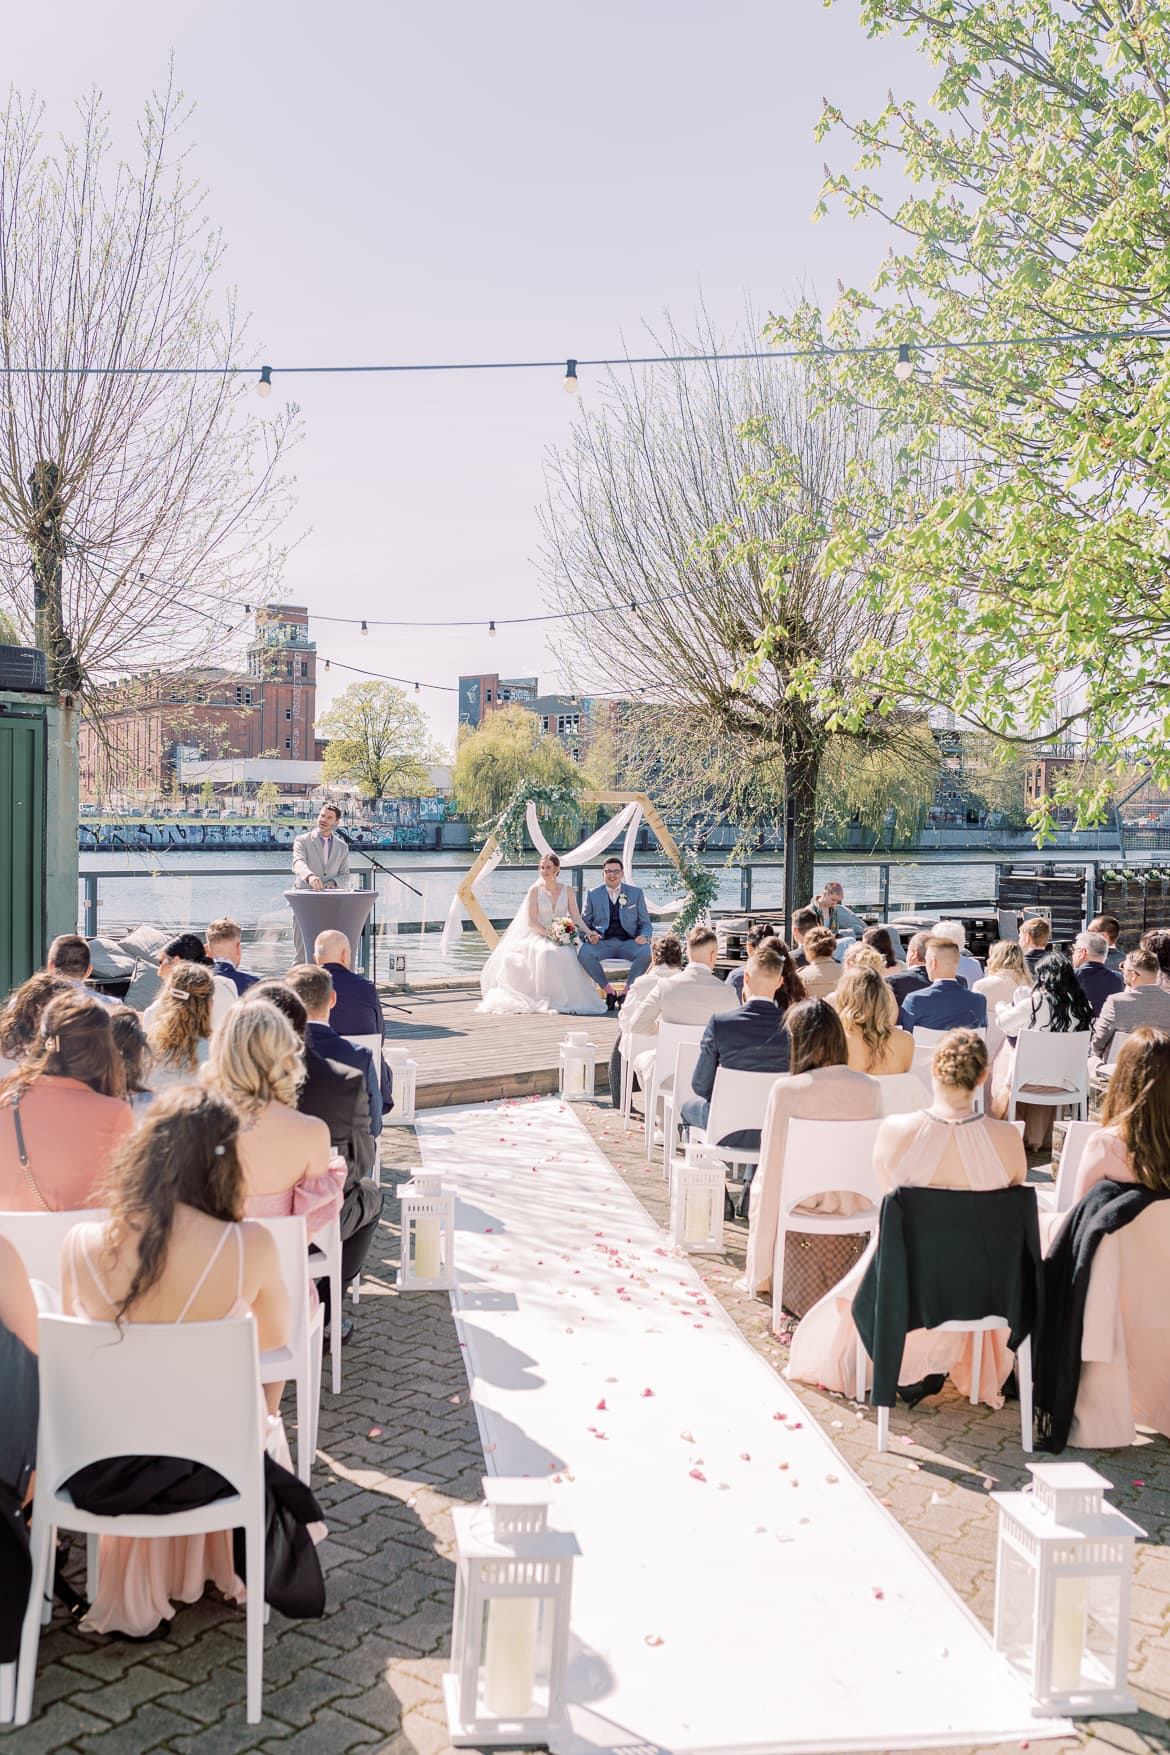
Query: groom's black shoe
{"type": "Point", "coordinates": [611, 1000]}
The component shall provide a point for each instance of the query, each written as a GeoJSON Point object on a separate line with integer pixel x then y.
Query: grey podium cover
{"type": "Point", "coordinates": [331, 911]}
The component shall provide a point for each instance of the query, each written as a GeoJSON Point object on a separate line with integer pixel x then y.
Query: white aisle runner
{"type": "Point", "coordinates": [739, 1588]}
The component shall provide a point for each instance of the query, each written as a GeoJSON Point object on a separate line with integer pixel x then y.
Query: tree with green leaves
{"type": "Point", "coordinates": [507, 755]}
{"type": "Point", "coordinates": [1034, 589]}
{"type": "Point", "coordinates": [379, 740]}
{"type": "Point", "coordinates": [267, 796]}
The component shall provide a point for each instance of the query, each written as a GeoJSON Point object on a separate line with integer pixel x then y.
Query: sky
{"type": "Point", "coordinates": [461, 180]}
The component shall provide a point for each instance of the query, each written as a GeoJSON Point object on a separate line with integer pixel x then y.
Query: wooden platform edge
{"type": "Point", "coordinates": [494, 1087]}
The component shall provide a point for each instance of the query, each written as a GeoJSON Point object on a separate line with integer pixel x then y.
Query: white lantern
{"type": "Point", "coordinates": [578, 1065]}
{"type": "Point", "coordinates": [1062, 1590]}
{"type": "Point", "coordinates": [405, 1075]}
{"type": "Point", "coordinates": [427, 1262]}
{"type": "Point", "coordinates": [510, 1640]}
{"type": "Point", "coordinates": [697, 1194]}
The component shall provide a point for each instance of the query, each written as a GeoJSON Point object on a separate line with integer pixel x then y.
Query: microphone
{"type": "Point", "coordinates": [342, 836]}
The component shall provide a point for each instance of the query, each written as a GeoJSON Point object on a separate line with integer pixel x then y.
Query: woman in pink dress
{"type": "Point", "coordinates": [865, 1004]}
{"type": "Point", "coordinates": [1125, 1346]}
{"type": "Point", "coordinates": [173, 1250]}
{"type": "Point", "coordinates": [948, 1145]}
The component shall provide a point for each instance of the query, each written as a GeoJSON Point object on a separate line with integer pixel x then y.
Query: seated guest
{"type": "Point", "coordinates": [1158, 941]}
{"type": "Point", "coordinates": [831, 912]}
{"type": "Point", "coordinates": [948, 1145]}
{"type": "Point", "coordinates": [1007, 979]}
{"type": "Point", "coordinates": [1143, 1002]}
{"type": "Point", "coordinates": [821, 1088]}
{"type": "Point", "coordinates": [178, 1026]}
{"type": "Point", "coordinates": [756, 935]}
{"type": "Point", "coordinates": [69, 958]}
{"type": "Point", "coordinates": [1101, 1367]}
{"type": "Point", "coordinates": [881, 939]}
{"type": "Point", "coordinates": [62, 1114]}
{"type": "Point", "coordinates": [133, 1051]}
{"type": "Point", "coordinates": [820, 973]}
{"type": "Point", "coordinates": [862, 956]}
{"type": "Point", "coordinates": [1109, 927]}
{"type": "Point", "coordinates": [916, 975]}
{"type": "Point", "coordinates": [1056, 1003]}
{"type": "Point", "coordinates": [358, 1011]}
{"type": "Point", "coordinates": [187, 948]}
{"type": "Point", "coordinates": [1097, 980]}
{"type": "Point", "coordinates": [20, 1021]}
{"type": "Point", "coordinates": [1035, 937]}
{"type": "Point", "coordinates": [751, 1039]}
{"type": "Point", "coordinates": [225, 951]}
{"type": "Point", "coordinates": [945, 1003]}
{"type": "Point", "coordinates": [176, 1249]}
{"type": "Point", "coordinates": [955, 930]}
{"type": "Point", "coordinates": [803, 922]}
{"type": "Point", "coordinates": [690, 998]}
{"type": "Point", "coordinates": [313, 986]}
{"type": "Point", "coordinates": [869, 1016]}
{"type": "Point", "coordinates": [19, 1397]}
{"type": "Point", "coordinates": [666, 960]}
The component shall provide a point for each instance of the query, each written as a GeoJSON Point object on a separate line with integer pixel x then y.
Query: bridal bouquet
{"type": "Point", "coordinates": [562, 931]}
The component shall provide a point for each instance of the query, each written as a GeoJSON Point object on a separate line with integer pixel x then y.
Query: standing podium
{"type": "Point", "coordinates": [331, 911]}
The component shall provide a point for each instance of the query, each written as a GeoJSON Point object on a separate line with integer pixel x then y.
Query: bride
{"type": "Point", "coordinates": [527, 972]}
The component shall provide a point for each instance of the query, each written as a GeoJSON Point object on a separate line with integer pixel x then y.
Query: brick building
{"type": "Point", "coordinates": [269, 708]}
{"type": "Point", "coordinates": [567, 717]}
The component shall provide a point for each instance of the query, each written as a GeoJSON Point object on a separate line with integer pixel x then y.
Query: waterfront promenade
{"type": "Point", "coordinates": [400, 1446]}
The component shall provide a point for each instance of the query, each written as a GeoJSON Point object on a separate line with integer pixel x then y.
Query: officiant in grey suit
{"type": "Point", "coordinates": [617, 927]}
{"type": "Point", "coordinates": [320, 861]}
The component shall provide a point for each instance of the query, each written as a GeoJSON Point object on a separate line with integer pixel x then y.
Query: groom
{"type": "Point", "coordinates": [617, 926]}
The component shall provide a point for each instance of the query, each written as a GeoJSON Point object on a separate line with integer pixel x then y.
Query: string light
{"type": "Point", "coordinates": [492, 629]}
{"type": "Point", "coordinates": [264, 387]}
{"type": "Point", "coordinates": [570, 383]}
{"type": "Point", "coordinates": [904, 365]}
{"type": "Point", "coordinates": [365, 629]}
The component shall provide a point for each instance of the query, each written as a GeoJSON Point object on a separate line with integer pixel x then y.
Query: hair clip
{"type": "Point", "coordinates": [220, 1150]}
{"type": "Point", "coordinates": [52, 1044]}
{"type": "Point", "coordinates": [180, 993]}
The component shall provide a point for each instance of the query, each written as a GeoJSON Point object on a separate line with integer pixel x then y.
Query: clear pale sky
{"type": "Point", "coordinates": [466, 180]}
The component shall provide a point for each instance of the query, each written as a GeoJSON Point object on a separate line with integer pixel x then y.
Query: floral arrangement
{"type": "Point", "coordinates": [562, 931]}
{"type": "Point", "coordinates": [702, 886]}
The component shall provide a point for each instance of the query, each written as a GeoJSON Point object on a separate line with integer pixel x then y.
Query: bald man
{"type": "Point", "coordinates": [358, 1010]}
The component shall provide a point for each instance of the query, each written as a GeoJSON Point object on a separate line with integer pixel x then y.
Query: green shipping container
{"type": "Point", "coordinates": [38, 830]}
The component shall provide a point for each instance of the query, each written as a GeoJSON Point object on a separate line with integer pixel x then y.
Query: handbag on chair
{"type": "Point", "coordinates": [814, 1264]}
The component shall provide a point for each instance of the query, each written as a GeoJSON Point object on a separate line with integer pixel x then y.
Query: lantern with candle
{"type": "Point", "coordinates": [510, 1641]}
{"type": "Point", "coordinates": [1062, 1590]}
{"type": "Point", "coordinates": [427, 1262]}
{"type": "Point", "coordinates": [578, 1063]}
{"type": "Point", "coordinates": [697, 1193]}
{"type": "Point", "coordinates": [404, 1072]}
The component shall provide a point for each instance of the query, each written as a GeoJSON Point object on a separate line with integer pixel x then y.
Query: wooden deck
{"type": "Point", "coordinates": [466, 1057]}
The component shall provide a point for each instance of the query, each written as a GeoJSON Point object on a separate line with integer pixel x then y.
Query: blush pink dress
{"type": "Point", "coordinates": [317, 1198]}
{"type": "Point", "coordinates": [824, 1344]}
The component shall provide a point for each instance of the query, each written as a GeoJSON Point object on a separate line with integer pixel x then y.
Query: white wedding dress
{"type": "Point", "coordinates": [528, 973]}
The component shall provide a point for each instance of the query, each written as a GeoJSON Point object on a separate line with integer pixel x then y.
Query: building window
{"type": "Point", "coordinates": [304, 667]}
{"type": "Point", "coordinates": [247, 697]}
{"type": "Point", "coordinates": [290, 667]}
{"type": "Point", "coordinates": [288, 712]}
{"type": "Point", "coordinates": [487, 694]}
{"type": "Point", "coordinates": [239, 694]}
{"type": "Point", "coordinates": [288, 743]}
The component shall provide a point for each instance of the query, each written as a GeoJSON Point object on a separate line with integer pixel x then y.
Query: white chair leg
{"type": "Point", "coordinates": [976, 1365]}
{"type": "Point", "coordinates": [778, 1280]}
{"type": "Point", "coordinates": [302, 1390]}
{"type": "Point", "coordinates": [860, 1364]}
{"type": "Point", "coordinates": [7, 1693]}
{"type": "Point", "coordinates": [883, 1431]}
{"type": "Point", "coordinates": [336, 1304]}
{"type": "Point", "coordinates": [627, 1085]}
{"type": "Point", "coordinates": [41, 1545]}
{"type": "Point", "coordinates": [1024, 1385]}
{"type": "Point", "coordinates": [377, 1178]}
{"type": "Point", "coordinates": [316, 1363]}
{"type": "Point", "coordinates": [92, 1548]}
{"type": "Point", "coordinates": [254, 1618]}
{"type": "Point", "coordinates": [651, 1112]}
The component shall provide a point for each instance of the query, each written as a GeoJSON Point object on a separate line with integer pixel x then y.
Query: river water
{"type": "Point", "coordinates": [181, 890]}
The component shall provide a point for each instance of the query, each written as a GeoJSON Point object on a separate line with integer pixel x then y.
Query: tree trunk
{"type": "Point", "coordinates": [802, 750]}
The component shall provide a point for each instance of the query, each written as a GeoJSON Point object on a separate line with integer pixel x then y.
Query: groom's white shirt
{"type": "Point", "coordinates": [690, 998]}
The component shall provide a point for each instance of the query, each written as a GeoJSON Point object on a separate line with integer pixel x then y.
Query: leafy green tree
{"type": "Point", "coordinates": [380, 740]}
{"type": "Point", "coordinates": [505, 755]}
{"type": "Point", "coordinates": [1035, 588]}
{"type": "Point", "coordinates": [267, 796]}
{"type": "Point", "coordinates": [207, 795]}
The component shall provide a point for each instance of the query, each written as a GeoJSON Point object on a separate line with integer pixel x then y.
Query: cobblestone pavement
{"type": "Point", "coordinates": [399, 1447]}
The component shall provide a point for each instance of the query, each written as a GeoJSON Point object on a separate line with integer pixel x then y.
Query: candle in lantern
{"type": "Point", "coordinates": [427, 1263]}
{"type": "Point", "coordinates": [510, 1657]}
{"type": "Point", "coordinates": [574, 1076]}
{"type": "Point", "coordinates": [697, 1217]}
{"type": "Point", "coordinates": [1068, 1633]}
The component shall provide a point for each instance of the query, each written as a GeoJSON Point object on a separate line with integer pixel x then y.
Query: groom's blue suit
{"type": "Point", "coordinates": [619, 925]}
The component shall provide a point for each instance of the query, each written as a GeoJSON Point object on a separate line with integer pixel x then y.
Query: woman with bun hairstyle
{"type": "Point", "coordinates": [179, 1027]}
{"type": "Point", "coordinates": [948, 1145]}
{"type": "Point", "coordinates": [821, 972]}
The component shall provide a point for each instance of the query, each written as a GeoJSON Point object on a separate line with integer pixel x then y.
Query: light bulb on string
{"type": "Point", "coordinates": [365, 629]}
{"type": "Point", "coordinates": [904, 365]}
{"type": "Point", "coordinates": [416, 688]}
{"type": "Point", "coordinates": [492, 629]}
{"type": "Point", "coordinates": [327, 664]}
{"type": "Point", "coordinates": [264, 387]}
{"type": "Point", "coordinates": [570, 385]}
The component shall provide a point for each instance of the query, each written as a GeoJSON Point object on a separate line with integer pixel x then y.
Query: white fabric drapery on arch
{"type": "Point", "coordinates": [628, 819]}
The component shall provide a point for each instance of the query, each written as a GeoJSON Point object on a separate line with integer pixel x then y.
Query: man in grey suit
{"type": "Point", "coordinates": [1143, 1002]}
{"type": "Point", "coordinates": [617, 926]}
{"type": "Point", "coordinates": [320, 861]}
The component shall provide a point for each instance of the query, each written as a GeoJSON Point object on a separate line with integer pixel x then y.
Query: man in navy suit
{"type": "Point", "coordinates": [357, 1010]}
{"type": "Point", "coordinates": [223, 947]}
{"type": "Point", "coordinates": [1098, 981]}
{"type": "Point", "coordinates": [945, 1004]}
{"type": "Point", "coordinates": [313, 986]}
{"type": "Point", "coordinates": [617, 927]}
{"type": "Point", "coordinates": [752, 1039]}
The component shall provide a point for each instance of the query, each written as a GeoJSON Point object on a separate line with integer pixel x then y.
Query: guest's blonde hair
{"type": "Point", "coordinates": [863, 956]}
{"type": "Point", "coordinates": [255, 1060]}
{"type": "Point", "coordinates": [1006, 958]}
{"type": "Point", "coordinates": [864, 1001]}
{"type": "Point", "coordinates": [183, 1019]}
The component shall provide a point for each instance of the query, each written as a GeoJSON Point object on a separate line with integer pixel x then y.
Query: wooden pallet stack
{"type": "Point", "coordinates": [1061, 895]}
{"type": "Point", "coordinates": [1139, 899]}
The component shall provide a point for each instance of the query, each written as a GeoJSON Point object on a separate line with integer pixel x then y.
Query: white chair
{"type": "Point", "coordinates": [822, 1157]}
{"type": "Point", "coordinates": [374, 1044]}
{"type": "Point", "coordinates": [1060, 1199]}
{"type": "Point", "coordinates": [632, 1047]}
{"type": "Point", "coordinates": [665, 1042]}
{"type": "Point", "coordinates": [976, 1330]}
{"type": "Point", "coordinates": [902, 1093]}
{"type": "Point", "coordinates": [686, 1058]}
{"type": "Point", "coordinates": [300, 1359]}
{"type": "Point", "coordinates": [38, 1237]}
{"type": "Point", "coordinates": [739, 1103]}
{"type": "Point", "coordinates": [925, 1043]}
{"type": "Point", "coordinates": [1058, 1062]}
{"type": "Point", "coordinates": [325, 1264]}
{"type": "Point", "coordinates": [172, 1389]}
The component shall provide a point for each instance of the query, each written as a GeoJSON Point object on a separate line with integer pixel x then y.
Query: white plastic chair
{"type": "Point", "coordinates": [925, 1043]}
{"type": "Point", "coordinates": [686, 1058]}
{"type": "Point", "coordinates": [375, 1046]}
{"type": "Point", "coordinates": [739, 1103]}
{"type": "Point", "coordinates": [632, 1047]}
{"type": "Point", "coordinates": [665, 1042]}
{"type": "Point", "coordinates": [171, 1389]}
{"type": "Point", "coordinates": [1045, 1058]}
{"type": "Point", "coordinates": [1060, 1199]}
{"type": "Point", "coordinates": [325, 1264]}
{"type": "Point", "coordinates": [300, 1360]}
{"type": "Point", "coordinates": [903, 1093]}
{"type": "Point", "coordinates": [373, 1043]}
{"type": "Point", "coordinates": [38, 1237]}
{"type": "Point", "coordinates": [823, 1157]}
{"type": "Point", "coordinates": [977, 1330]}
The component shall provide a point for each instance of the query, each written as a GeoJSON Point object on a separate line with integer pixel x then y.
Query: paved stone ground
{"type": "Point", "coordinates": [399, 1447]}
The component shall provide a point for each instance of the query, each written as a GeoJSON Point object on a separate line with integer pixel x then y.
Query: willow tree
{"type": "Point", "coordinates": [684, 537]}
{"type": "Point", "coordinates": [1027, 281]}
{"type": "Point", "coordinates": [141, 498]}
